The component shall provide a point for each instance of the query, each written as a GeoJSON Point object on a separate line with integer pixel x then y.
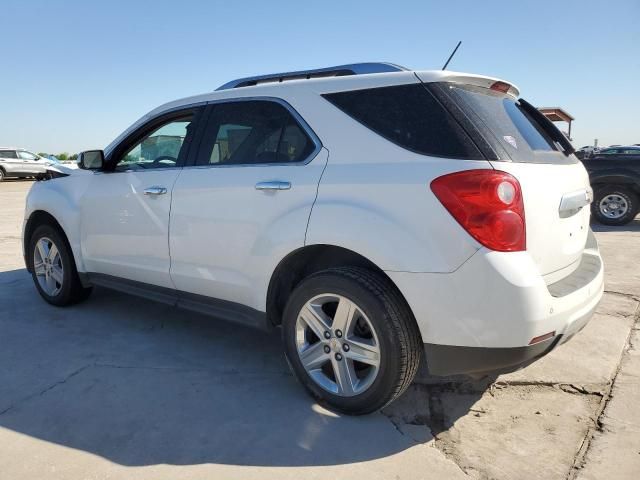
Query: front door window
{"type": "Point", "coordinates": [159, 149]}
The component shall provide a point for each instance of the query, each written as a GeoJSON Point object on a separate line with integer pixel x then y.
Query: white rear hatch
{"type": "Point", "coordinates": [555, 185]}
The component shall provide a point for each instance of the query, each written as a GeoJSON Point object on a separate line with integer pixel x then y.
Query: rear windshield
{"type": "Point", "coordinates": [409, 116]}
{"type": "Point", "coordinates": [513, 128]}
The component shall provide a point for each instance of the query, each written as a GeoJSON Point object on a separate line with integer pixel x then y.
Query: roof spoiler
{"type": "Point", "coordinates": [337, 71]}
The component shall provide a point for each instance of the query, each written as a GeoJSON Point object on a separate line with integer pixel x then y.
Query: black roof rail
{"type": "Point", "coordinates": [338, 71]}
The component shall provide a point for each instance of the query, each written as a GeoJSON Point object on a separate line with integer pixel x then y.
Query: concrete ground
{"type": "Point", "coordinates": [121, 387]}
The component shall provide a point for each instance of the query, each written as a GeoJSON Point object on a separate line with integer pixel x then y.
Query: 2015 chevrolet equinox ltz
{"type": "Point", "coordinates": [372, 212]}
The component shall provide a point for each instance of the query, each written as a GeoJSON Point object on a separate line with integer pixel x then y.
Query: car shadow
{"type": "Point", "coordinates": [141, 383]}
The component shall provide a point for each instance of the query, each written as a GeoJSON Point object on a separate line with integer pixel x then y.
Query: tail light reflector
{"type": "Point", "coordinates": [542, 338]}
{"type": "Point", "coordinates": [488, 204]}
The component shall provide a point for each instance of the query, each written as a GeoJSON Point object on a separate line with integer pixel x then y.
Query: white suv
{"type": "Point", "coordinates": [20, 163]}
{"type": "Point", "coordinates": [372, 212]}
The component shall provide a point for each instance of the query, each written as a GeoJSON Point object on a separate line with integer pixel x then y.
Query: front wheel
{"type": "Point", "coordinates": [614, 205]}
{"type": "Point", "coordinates": [53, 268]}
{"type": "Point", "coordinates": [351, 339]}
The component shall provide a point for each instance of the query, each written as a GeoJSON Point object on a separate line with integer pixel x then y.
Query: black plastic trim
{"type": "Point", "coordinates": [223, 309]}
{"type": "Point", "coordinates": [443, 360]}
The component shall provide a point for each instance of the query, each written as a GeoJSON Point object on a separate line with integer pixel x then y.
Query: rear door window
{"type": "Point", "coordinates": [8, 154]}
{"type": "Point", "coordinates": [409, 116]}
{"type": "Point", "coordinates": [253, 132]}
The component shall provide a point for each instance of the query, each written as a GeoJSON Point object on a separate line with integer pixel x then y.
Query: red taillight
{"type": "Point", "coordinates": [500, 87]}
{"type": "Point", "coordinates": [488, 204]}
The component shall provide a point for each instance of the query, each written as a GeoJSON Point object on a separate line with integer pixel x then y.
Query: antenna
{"type": "Point", "coordinates": [452, 54]}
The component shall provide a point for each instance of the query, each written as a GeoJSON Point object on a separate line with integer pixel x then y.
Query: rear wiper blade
{"type": "Point", "coordinates": [548, 127]}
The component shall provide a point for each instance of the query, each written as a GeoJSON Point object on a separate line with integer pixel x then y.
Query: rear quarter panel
{"type": "Point", "coordinates": [375, 199]}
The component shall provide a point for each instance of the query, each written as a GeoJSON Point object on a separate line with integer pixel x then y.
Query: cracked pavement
{"type": "Point", "coordinates": [120, 386]}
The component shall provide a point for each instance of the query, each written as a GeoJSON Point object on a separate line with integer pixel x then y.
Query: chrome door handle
{"type": "Point", "coordinates": [155, 190]}
{"type": "Point", "coordinates": [273, 185]}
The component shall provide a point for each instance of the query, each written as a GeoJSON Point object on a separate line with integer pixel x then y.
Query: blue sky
{"type": "Point", "coordinates": [76, 73]}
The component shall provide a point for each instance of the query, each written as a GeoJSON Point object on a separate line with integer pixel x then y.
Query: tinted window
{"type": "Point", "coordinates": [409, 116]}
{"type": "Point", "coordinates": [253, 132]}
{"type": "Point", "coordinates": [159, 149]}
{"type": "Point", "coordinates": [8, 154]}
{"type": "Point", "coordinates": [506, 119]}
{"type": "Point", "coordinates": [631, 151]}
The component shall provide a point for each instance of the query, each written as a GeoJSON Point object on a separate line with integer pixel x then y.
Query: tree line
{"type": "Point", "coordinates": [60, 156]}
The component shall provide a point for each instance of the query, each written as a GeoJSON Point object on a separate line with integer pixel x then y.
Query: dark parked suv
{"type": "Point", "coordinates": [615, 177]}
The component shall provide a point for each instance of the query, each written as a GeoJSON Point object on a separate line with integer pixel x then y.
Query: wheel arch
{"type": "Point", "coordinates": [616, 179]}
{"type": "Point", "coordinates": [37, 218]}
{"type": "Point", "coordinates": [306, 260]}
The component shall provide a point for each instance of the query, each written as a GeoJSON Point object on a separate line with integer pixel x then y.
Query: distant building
{"type": "Point", "coordinates": [556, 114]}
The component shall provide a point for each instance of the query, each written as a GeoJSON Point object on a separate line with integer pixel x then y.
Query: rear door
{"type": "Point", "coordinates": [246, 202]}
{"type": "Point", "coordinates": [555, 186]}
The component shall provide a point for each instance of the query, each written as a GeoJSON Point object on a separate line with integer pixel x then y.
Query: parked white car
{"type": "Point", "coordinates": [20, 163]}
{"type": "Point", "coordinates": [372, 212]}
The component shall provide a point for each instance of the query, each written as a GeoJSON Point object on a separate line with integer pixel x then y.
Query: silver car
{"type": "Point", "coordinates": [20, 163]}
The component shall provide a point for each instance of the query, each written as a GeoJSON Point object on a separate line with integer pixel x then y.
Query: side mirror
{"type": "Point", "coordinates": [91, 160]}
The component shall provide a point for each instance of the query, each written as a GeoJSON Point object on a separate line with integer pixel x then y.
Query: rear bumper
{"type": "Point", "coordinates": [454, 360]}
{"type": "Point", "coordinates": [482, 317]}
{"type": "Point", "coordinates": [444, 360]}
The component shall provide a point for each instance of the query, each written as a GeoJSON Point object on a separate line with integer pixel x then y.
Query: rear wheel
{"type": "Point", "coordinates": [614, 205]}
{"type": "Point", "coordinates": [350, 339]}
{"type": "Point", "coordinates": [1, 175]}
{"type": "Point", "coordinates": [53, 268]}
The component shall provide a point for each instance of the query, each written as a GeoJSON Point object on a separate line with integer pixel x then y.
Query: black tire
{"type": "Point", "coordinates": [630, 197]}
{"type": "Point", "coordinates": [396, 329]}
{"type": "Point", "coordinates": [71, 291]}
{"type": "Point", "coordinates": [1, 174]}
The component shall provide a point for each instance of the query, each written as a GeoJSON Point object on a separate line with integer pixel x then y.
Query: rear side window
{"type": "Point", "coordinates": [8, 154]}
{"type": "Point", "coordinates": [254, 132]}
{"type": "Point", "coordinates": [409, 116]}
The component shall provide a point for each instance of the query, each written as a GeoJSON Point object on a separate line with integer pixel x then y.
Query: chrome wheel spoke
{"type": "Point", "coordinates": [344, 315]}
{"type": "Point", "coordinates": [39, 269]}
{"type": "Point", "coordinates": [314, 320]}
{"type": "Point", "coordinates": [43, 249]}
{"type": "Point", "coordinates": [53, 253]}
{"type": "Point", "coordinates": [363, 351]}
{"type": "Point", "coordinates": [51, 284]}
{"type": "Point", "coordinates": [56, 274]}
{"type": "Point", "coordinates": [346, 378]}
{"type": "Point", "coordinates": [314, 356]}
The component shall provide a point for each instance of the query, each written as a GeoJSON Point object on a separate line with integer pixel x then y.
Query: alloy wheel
{"type": "Point", "coordinates": [47, 264]}
{"type": "Point", "coordinates": [337, 345]}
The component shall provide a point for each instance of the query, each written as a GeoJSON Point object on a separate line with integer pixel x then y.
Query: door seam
{"type": "Point", "coordinates": [306, 230]}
